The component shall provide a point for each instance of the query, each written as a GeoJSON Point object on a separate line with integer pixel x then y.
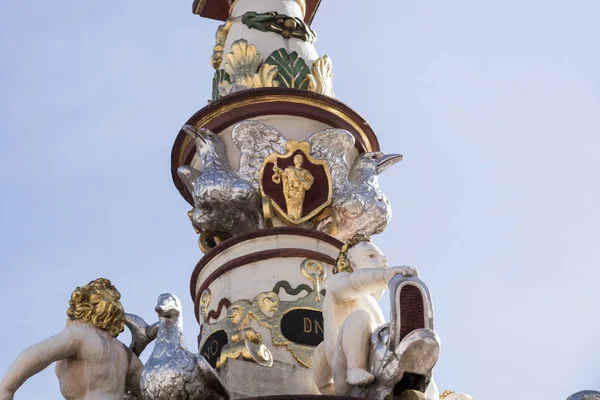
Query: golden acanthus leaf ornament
{"type": "Point", "coordinates": [244, 64]}
{"type": "Point", "coordinates": [243, 61]}
{"type": "Point", "coordinates": [320, 79]}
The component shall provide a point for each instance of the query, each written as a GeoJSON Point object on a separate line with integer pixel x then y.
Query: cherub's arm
{"type": "Point", "coordinates": [347, 286]}
{"type": "Point", "coordinates": [37, 357]}
{"type": "Point", "coordinates": [134, 373]}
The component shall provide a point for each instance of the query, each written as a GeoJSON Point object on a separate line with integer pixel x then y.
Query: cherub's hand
{"type": "Point", "coordinates": [6, 394]}
{"type": "Point", "coordinates": [404, 271]}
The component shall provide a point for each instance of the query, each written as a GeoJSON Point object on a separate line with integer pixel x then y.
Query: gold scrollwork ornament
{"type": "Point", "coordinates": [246, 343]}
{"type": "Point", "coordinates": [267, 309]}
{"type": "Point", "coordinates": [220, 37]}
{"type": "Point", "coordinates": [315, 272]}
{"type": "Point", "coordinates": [209, 240]}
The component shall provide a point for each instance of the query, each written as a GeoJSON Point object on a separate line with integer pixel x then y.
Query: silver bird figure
{"type": "Point", "coordinates": [331, 145]}
{"type": "Point", "coordinates": [256, 142]}
{"type": "Point", "coordinates": [141, 333]}
{"type": "Point", "coordinates": [585, 395]}
{"type": "Point", "coordinates": [173, 372]}
{"type": "Point", "coordinates": [223, 201]}
{"type": "Point", "coordinates": [360, 205]}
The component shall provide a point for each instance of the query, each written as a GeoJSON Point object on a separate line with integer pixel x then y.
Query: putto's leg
{"type": "Point", "coordinates": [355, 342]}
{"type": "Point", "coordinates": [322, 371]}
{"type": "Point", "coordinates": [340, 371]}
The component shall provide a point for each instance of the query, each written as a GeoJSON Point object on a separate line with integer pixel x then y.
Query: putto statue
{"type": "Point", "coordinates": [361, 355]}
{"type": "Point", "coordinates": [90, 361]}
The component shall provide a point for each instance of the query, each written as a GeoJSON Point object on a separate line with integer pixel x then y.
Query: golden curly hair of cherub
{"type": "Point", "coordinates": [98, 303]}
{"type": "Point", "coordinates": [342, 264]}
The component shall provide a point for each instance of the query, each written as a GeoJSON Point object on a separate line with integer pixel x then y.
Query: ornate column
{"type": "Point", "coordinates": [279, 174]}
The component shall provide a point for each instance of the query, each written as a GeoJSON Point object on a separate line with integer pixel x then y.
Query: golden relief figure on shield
{"type": "Point", "coordinates": [296, 185]}
{"type": "Point", "coordinates": [296, 181]}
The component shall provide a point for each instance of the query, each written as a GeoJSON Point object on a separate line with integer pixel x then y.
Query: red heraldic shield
{"type": "Point", "coordinates": [298, 186]}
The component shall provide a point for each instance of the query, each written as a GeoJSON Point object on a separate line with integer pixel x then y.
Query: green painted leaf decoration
{"type": "Point", "coordinates": [258, 21]}
{"type": "Point", "coordinates": [292, 69]}
{"type": "Point", "coordinates": [220, 76]}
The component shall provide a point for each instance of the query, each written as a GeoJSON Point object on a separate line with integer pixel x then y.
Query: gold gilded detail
{"type": "Point", "coordinates": [232, 5]}
{"type": "Point", "coordinates": [246, 343]}
{"type": "Point", "coordinates": [315, 272]}
{"type": "Point", "coordinates": [445, 394]}
{"type": "Point", "coordinates": [342, 264]}
{"type": "Point", "coordinates": [267, 310]}
{"type": "Point", "coordinates": [267, 302]}
{"type": "Point", "coordinates": [190, 215]}
{"type": "Point", "coordinates": [244, 67]}
{"type": "Point", "coordinates": [295, 181]}
{"type": "Point", "coordinates": [266, 203]}
{"type": "Point", "coordinates": [205, 299]}
{"type": "Point", "coordinates": [320, 79]}
{"type": "Point", "coordinates": [98, 303]}
{"type": "Point", "coordinates": [243, 62]}
{"type": "Point", "coordinates": [335, 220]}
{"type": "Point", "coordinates": [199, 6]}
{"type": "Point", "coordinates": [302, 4]}
{"type": "Point", "coordinates": [209, 240]}
{"type": "Point", "coordinates": [221, 36]}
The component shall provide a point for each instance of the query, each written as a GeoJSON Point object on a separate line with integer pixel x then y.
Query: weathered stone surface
{"type": "Point", "coordinates": [411, 395]}
{"type": "Point", "coordinates": [245, 379]}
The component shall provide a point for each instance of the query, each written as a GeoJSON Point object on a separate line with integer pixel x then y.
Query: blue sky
{"type": "Point", "coordinates": [495, 106]}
